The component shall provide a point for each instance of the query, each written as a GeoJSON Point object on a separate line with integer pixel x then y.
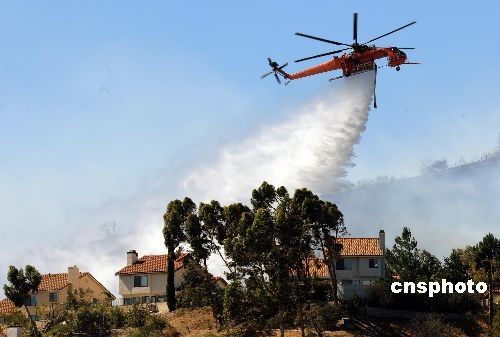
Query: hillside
{"type": "Point", "coordinates": [458, 205]}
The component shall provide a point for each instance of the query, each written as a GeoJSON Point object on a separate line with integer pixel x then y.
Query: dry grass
{"type": "Point", "coordinates": [193, 322]}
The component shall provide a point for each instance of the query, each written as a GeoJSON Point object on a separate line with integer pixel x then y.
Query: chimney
{"type": "Point", "coordinates": [381, 240]}
{"type": "Point", "coordinates": [74, 277]}
{"type": "Point", "coordinates": [131, 257]}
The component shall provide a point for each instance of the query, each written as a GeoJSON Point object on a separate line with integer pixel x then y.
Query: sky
{"type": "Point", "coordinates": [105, 105]}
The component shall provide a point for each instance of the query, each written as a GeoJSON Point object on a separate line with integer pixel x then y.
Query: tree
{"type": "Point", "coordinates": [488, 259]}
{"type": "Point", "coordinates": [173, 233]}
{"type": "Point", "coordinates": [200, 289]}
{"type": "Point", "coordinates": [429, 266]}
{"type": "Point", "coordinates": [326, 224]}
{"type": "Point", "coordinates": [454, 269]}
{"type": "Point", "coordinates": [22, 284]}
{"type": "Point", "coordinates": [403, 258]}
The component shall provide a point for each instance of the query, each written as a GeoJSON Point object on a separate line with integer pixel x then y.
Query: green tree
{"type": "Point", "coordinates": [173, 233]}
{"type": "Point", "coordinates": [454, 268]}
{"type": "Point", "coordinates": [429, 266]}
{"type": "Point", "coordinates": [269, 243]}
{"type": "Point", "coordinates": [488, 259]}
{"type": "Point", "coordinates": [200, 289]}
{"type": "Point", "coordinates": [403, 258]}
{"type": "Point", "coordinates": [326, 224]}
{"type": "Point", "coordinates": [23, 283]}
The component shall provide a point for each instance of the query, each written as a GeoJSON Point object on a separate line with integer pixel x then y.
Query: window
{"type": "Point", "coordinates": [344, 264]}
{"type": "Point", "coordinates": [141, 281]}
{"type": "Point", "coordinates": [129, 301]}
{"type": "Point", "coordinates": [368, 283]}
{"type": "Point", "coordinates": [53, 297]}
{"type": "Point", "coordinates": [373, 263]}
{"type": "Point", "coordinates": [346, 282]}
{"type": "Point", "coordinates": [30, 300]}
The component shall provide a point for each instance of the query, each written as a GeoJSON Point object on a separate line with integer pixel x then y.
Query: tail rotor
{"type": "Point", "coordinates": [276, 70]}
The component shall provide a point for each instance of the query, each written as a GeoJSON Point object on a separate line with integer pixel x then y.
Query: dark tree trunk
{"type": "Point", "coordinates": [171, 300]}
{"type": "Point", "coordinates": [33, 324]}
{"type": "Point", "coordinates": [282, 325]}
{"type": "Point", "coordinates": [302, 325]}
{"type": "Point", "coordinates": [490, 295]}
{"type": "Point", "coordinates": [330, 262]}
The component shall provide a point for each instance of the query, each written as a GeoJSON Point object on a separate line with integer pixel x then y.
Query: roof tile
{"type": "Point", "coordinates": [149, 264]}
{"type": "Point", "coordinates": [6, 306]}
{"type": "Point", "coordinates": [360, 247]}
{"type": "Point", "coordinates": [55, 281]}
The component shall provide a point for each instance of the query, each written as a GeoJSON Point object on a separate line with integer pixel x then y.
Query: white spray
{"type": "Point", "coordinates": [311, 149]}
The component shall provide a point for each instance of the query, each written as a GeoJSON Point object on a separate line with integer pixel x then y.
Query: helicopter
{"type": "Point", "coordinates": [360, 59]}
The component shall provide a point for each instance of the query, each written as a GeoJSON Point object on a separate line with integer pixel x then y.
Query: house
{"type": "Point", "coordinates": [495, 295]}
{"type": "Point", "coordinates": [220, 282]}
{"type": "Point", "coordinates": [144, 280]}
{"type": "Point", "coordinates": [54, 288]}
{"type": "Point", "coordinates": [362, 262]}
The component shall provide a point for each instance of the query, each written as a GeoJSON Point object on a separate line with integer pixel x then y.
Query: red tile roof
{"type": "Point", "coordinates": [360, 247]}
{"type": "Point", "coordinates": [55, 281]}
{"type": "Point", "coordinates": [317, 268]}
{"type": "Point", "coordinates": [150, 264]}
{"type": "Point", "coordinates": [219, 278]}
{"type": "Point", "coordinates": [6, 306]}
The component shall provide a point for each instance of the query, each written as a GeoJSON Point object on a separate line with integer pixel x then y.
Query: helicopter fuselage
{"type": "Point", "coordinates": [354, 62]}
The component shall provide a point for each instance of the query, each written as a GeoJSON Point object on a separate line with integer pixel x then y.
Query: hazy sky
{"type": "Point", "coordinates": [102, 102]}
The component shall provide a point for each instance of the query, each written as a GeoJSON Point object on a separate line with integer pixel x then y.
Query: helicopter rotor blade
{"type": "Point", "coordinates": [391, 32]}
{"type": "Point", "coordinates": [355, 28]}
{"type": "Point", "coordinates": [283, 66]}
{"type": "Point", "coordinates": [277, 78]}
{"type": "Point", "coordinates": [267, 74]}
{"type": "Point", "coordinates": [321, 55]}
{"type": "Point", "coordinates": [406, 48]}
{"type": "Point", "coordinates": [323, 40]}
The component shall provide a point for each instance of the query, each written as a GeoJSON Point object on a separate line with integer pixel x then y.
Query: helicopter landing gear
{"type": "Point", "coordinates": [398, 68]}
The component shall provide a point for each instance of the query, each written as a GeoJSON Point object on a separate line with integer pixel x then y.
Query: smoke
{"type": "Point", "coordinates": [447, 208]}
{"type": "Point", "coordinates": [312, 148]}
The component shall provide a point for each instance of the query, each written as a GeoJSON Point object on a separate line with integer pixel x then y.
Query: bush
{"type": "Point", "coordinates": [323, 318]}
{"type": "Point", "coordinates": [60, 330]}
{"type": "Point", "coordinates": [380, 294]}
{"type": "Point", "coordinates": [136, 316]}
{"type": "Point", "coordinates": [495, 328]}
{"type": "Point", "coordinates": [92, 320]}
{"type": "Point", "coordinates": [117, 318]}
{"type": "Point", "coordinates": [152, 327]}
{"type": "Point", "coordinates": [155, 322]}
{"type": "Point", "coordinates": [16, 318]}
{"type": "Point", "coordinates": [432, 325]}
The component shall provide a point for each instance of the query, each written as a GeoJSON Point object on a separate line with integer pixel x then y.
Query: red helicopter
{"type": "Point", "coordinates": [361, 59]}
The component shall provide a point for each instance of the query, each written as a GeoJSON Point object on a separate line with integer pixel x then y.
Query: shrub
{"type": "Point", "coordinates": [323, 318]}
{"type": "Point", "coordinates": [16, 318]}
{"type": "Point", "coordinates": [136, 316]}
{"type": "Point", "coordinates": [91, 320]}
{"type": "Point", "coordinates": [432, 325]}
{"type": "Point", "coordinates": [495, 328]}
{"type": "Point", "coordinates": [117, 318]}
{"type": "Point", "coordinates": [152, 327]}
